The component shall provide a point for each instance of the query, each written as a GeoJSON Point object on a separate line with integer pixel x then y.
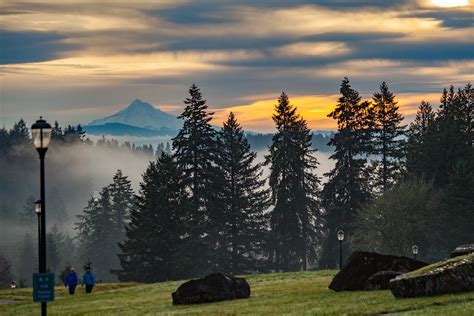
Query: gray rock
{"type": "Point", "coordinates": [449, 276]}
{"type": "Point", "coordinates": [212, 288]}
{"type": "Point", "coordinates": [362, 265]}
{"type": "Point", "coordinates": [462, 250]}
{"type": "Point", "coordinates": [381, 280]}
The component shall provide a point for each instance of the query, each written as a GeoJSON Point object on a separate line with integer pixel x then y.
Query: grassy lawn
{"type": "Point", "coordinates": [300, 293]}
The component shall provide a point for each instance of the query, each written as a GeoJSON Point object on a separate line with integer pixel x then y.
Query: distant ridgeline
{"type": "Point", "coordinates": [257, 141]}
{"type": "Point", "coordinates": [142, 120]}
{"type": "Point", "coordinates": [320, 141]}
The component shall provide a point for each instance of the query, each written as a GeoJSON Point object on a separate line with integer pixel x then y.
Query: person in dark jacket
{"type": "Point", "coordinates": [71, 281]}
{"type": "Point", "coordinates": [88, 279]}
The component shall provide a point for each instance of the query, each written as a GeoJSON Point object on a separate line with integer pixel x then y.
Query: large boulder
{"type": "Point", "coordinates": [450, 276]}
{"type": "Point", "coordinates": [212, 288]}
{"type": "Point", "coordinates": [462, 250]}
{"type": "Point", "coordinates": [362, 265]}
{"type": "Point", "coordinates": [381, 280]}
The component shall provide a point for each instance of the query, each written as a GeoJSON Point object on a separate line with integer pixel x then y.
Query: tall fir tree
{"type": "Point", "coordinates": [94, 234]}
{"type": "Point", "coordinates": [388, 141]}
{"type": "Point", "coordinates": [347, 187]}
{"type": "Point", "coordinates": [154, 247]}
{"type": "Point", "coordinates": [101, 227]}
{"type": "Point", "coordinates": [242, 222]}
{"type": "Point", "coordinates": [195, 154]}
{"type": "Point", "coordinates": [417, 151]}
{"type": "Point", "coordinates": [294, 189]}
{"type": "Point", "coordinates": [121, 193]}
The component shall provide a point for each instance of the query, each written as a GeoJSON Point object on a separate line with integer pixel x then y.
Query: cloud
{"type": "Point", "coordinates": [78, 55]}
{"type": "Point", "coordinates": [92, 70]}
{"type": "Point", "coordinates": [312, 49]}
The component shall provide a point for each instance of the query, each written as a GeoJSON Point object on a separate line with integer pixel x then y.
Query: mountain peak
{"type": "Point", "coordinates": [137, 103]}
{"type": "Point", "coordinates": [141, 114]}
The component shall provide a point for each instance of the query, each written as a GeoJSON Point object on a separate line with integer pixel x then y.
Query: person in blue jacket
{"type": "Point", "coordinates": [88, 279]}
{"type": "Point", "coordinates": [71, 281]}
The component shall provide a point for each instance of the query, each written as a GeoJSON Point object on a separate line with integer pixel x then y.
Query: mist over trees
{"type": "Point", "coordinates": [205, 203]}
{"type": "Point", "coordinates": [75, 166]}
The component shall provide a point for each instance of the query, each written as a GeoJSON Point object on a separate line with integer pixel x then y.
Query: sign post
{"type": "Point", "coordinates": [43, 287]}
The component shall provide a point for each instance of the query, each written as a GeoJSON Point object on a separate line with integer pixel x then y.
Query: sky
{"type": "Point", "coordinates": [74, 61]}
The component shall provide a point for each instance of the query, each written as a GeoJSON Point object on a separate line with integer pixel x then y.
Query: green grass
{"type": "Point", "coordinates": [299, 293]}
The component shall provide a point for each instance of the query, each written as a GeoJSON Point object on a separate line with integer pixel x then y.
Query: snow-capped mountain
{"type": "Point", "coordinates": [141, 114]}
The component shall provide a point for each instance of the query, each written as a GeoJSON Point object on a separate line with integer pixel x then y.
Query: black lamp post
{"type": "Point", "coordinates": [340, 237]}
{"type": "Point", "coordinates": [414, 250]}
{"type": "Point", "coordinates": [41, 133]}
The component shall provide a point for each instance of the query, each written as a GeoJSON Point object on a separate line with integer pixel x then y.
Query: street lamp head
{"type": "Point", "coordinates": [41, 133]}
{"type": "Point", "coordinates": [414, 249]}
{"type": "Point", "coordinates": [38, 207]}
{"type": "Point", "coordinates": [340, 235]}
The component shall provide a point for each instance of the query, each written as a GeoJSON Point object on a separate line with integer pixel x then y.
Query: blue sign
{"type": "Point", "coordinates": [43, 287]}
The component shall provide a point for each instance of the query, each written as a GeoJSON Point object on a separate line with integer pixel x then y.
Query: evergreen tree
{"type": "Point", "coordinates": [153, 250]}
{"type": "Point", "coordinates": [387, 138]}
{"type": "Point", "coordinates": [5, 272]}
{"type": "Point", "coordinates": [57, 212]}
{"type": "Point", "coordinates": [28, 216]}
{"type": "Point", "coordinates": [194, 150]}
{"type": "Point", "coordinates": [294, 218]}
{"type": "Point", "coordinates": [102, 226]}
{"type": "Point", "coordinates": [242, 223]}
{"type": "Point", "coordinates": [19, 134]}
{"type": "Point", "coordinates": [459, 200]}
{"type": "Point", "coordinates": [57, 132]}
{"type": "Point", "coordinates": [68, 252]}
{"type": "Point", "coordinates": [417, 154]}
{"type": "Point", "coordinates": [54, 243]}
{"type": "Point", "coordinates": [440, 149]}
{"type": "Point", "coordinates": [28, 258]}
{"type": "Point", "coordinates": [347, 188]}
{"type": "Point", "coordinates": [160, 148]}
{"type": "Point", "coordinates": [122, 201]}
{"type": "Point", "coordinates": [4, 139]}
{"type": "Point", "coordinates": [168, 149]}
{"type": "Point", "coordinates": [94, 232]}
{"type": "Point", "coordinates": [74, 135]}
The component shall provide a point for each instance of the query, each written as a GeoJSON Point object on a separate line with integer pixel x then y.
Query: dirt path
{"type": "Point", "coordinates": [6, 302]}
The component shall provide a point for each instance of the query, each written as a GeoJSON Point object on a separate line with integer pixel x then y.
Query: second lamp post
{"type": "Point", "coordinates": [414, 250]}
{"type": "Point", "coordinates": [340, 237]}
{"type": "Point", "coordinates": [38, 212]}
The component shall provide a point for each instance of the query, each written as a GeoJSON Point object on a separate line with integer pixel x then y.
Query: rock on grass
{"type": "Point", "coordinates": [462, 250]}
{"type": "Point", "coordinates": [362, 265]}
{"type": "Point", "coordinates": [450, 276]}
{"type": "Point", "coordinates": [212, 288]}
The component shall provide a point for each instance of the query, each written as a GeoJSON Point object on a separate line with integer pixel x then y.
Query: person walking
{"type": "Point", "coordinates": [88, 279]}
{"type": "Point", "coordinates": [71, 281]}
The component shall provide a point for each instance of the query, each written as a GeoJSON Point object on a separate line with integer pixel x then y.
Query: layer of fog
{"type": "Point", "coordinates": [76, 173]}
